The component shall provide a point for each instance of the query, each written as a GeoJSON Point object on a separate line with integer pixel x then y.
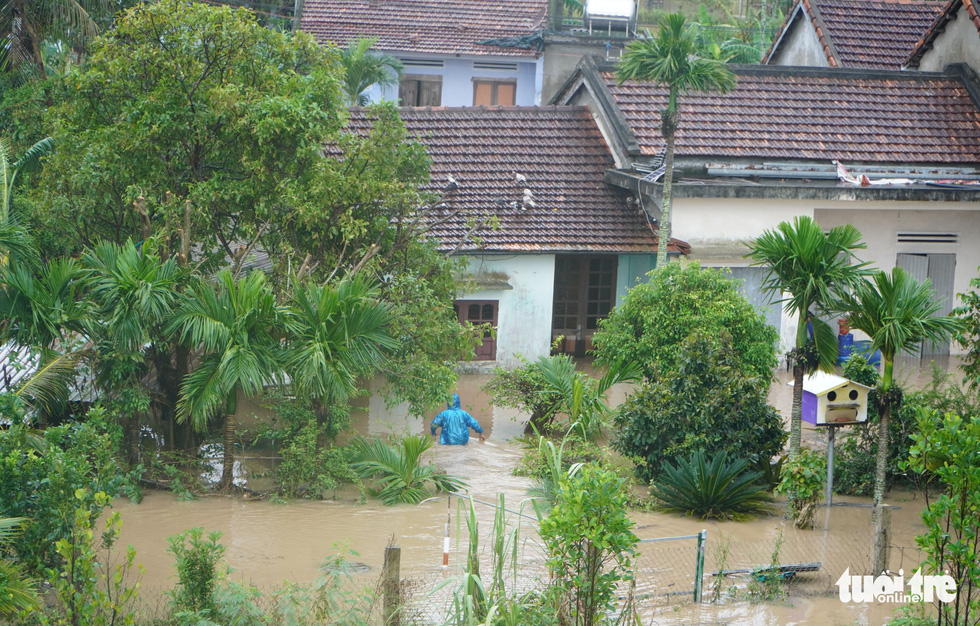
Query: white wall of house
{"type": "Point", "coordinates": [718, 230]}
{"type": "Point", "coordinates": [800, 46]}
{"type": "Point", "coordinates": [958, 43]}
{"type": "Point", "coordinates": [524, 311]}
{"type": "Point", "coordinates": [458, 74]}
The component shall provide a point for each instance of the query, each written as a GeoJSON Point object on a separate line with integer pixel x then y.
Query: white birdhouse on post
{"type": "Point", "coordinates": [833, 401]}
{"type": "Point", "coordinates": [830, 400]}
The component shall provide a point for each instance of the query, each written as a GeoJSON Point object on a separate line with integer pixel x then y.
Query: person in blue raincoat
{"type": "Point", "coordinates": [456, 424]}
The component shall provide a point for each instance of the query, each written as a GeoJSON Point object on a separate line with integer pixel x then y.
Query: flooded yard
{"type": "Point", "coordinates": [269, 543]}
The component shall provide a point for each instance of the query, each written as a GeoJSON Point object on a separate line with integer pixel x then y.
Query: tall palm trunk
{"type": "Point", "coordinates": [796, 414]}
{"type": "Point", "coordinates": [664, 226]}
{"type": "Point", "coordinates": [231, 422]}
{"type": "Point", "coordinates": [881, 465]}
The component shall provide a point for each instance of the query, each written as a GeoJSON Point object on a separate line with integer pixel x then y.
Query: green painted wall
{"type": "Point", "coordinates": [632, 267]}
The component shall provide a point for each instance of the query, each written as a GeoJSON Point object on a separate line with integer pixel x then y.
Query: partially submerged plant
{"type": "Point", "coordinates": [714, 487]}
{"type": "Point", "coordinates": [400, 475]}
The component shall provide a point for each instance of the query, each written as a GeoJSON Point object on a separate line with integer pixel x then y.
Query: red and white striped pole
{"type": "Point", "coordinates": [445, 543]}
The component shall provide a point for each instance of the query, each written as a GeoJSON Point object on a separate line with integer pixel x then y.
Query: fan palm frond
{"type": "Point", "coordinates": [398, 470]}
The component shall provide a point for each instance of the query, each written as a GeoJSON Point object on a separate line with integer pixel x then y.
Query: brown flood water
{"type": "Point", "coordinates": [268, 543]}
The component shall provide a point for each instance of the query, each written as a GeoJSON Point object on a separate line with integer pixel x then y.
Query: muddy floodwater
{"type": "Point", "coordinates": [269, 543]}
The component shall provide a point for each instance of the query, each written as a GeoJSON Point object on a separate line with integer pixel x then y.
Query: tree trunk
{"type": "Point", "coordinates": [663, 227]}
{"type": "Point", "coordinates": [881, 467]}
{"type": "Point", "coordinates": [231, 421]}
{"type": "Point", "coordinates": [796, 414]}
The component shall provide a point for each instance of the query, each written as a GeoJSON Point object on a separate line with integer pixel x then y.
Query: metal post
{"type": "Point", "coordinates": [699, 565]}
{"type": "Point", "coordinates": [829, 495]}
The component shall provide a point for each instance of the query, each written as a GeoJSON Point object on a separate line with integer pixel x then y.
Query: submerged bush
{"type": "Point", "coordinates": [398, 469]}
{"type": "Point", "coordinates": [715, 487]}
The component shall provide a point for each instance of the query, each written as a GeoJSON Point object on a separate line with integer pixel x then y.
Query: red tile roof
{"type": "Point", "coordinates": [792, 113]}
{"type": "Point", "coordinates": [562, 155]}
{"type": "Point", "coordinates": [872, 34]}
{"type": "Point", "coordinates": [426, 26]}
{"type": "Point", "coordinates": [948, 13]}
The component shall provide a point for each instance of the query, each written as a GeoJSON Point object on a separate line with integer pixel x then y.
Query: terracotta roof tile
{"type": "Point", "coordinates": [561, 153]}
{"type": "Point", "coordinates": [871, 34]}
{"type": "Point", "coordinates": [951, 8]}
{"type": "Point", "coordinates": [425, 26]}
{"type": "Point", "coordinates": [784, 113]}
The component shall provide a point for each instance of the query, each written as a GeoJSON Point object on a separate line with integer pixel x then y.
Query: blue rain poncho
{"type": "Point", "coordinates": [456, 424]}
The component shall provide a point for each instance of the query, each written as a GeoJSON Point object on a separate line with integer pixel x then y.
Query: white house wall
{"type": "Point", "coordinates": [458, 75]}
{"type": "Point", "coordinates": [718, 230]}
{"type": "Point", "coordinates": [958, 43]}
{"type": "Point", "coordinates": [524, 312]}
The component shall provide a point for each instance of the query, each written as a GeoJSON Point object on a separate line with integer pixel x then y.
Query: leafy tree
{"type": "Point", "coordinates": [969, 337]}
{"type": "Point", "coordinates": [897, 312]}
{"type": "Point", "coordinates": [707, 403]}
{"type": "Point", "coordinates": [803, 479]}
{"type": "Point", "coordinates": [183, 101]}
{"type": "Point", "coordinates": [590, 544]}
{"type": "Point", "coordinates": [949, 446]}
{"type": "Point", "coordinates": [363, 69]}
{"type": "Point", "coordinates": [237, 325]}
{"type": "Point", "coordinates": [656, 317]}
{"type": "Point", "coordinates": [672, 59]}
{"type": "Point", "coordinates": [809, 269]}
{"type": "Point", "coordinates": [337, 335]}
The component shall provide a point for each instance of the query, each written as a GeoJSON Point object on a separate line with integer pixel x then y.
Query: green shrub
{"type": "Point", "coordinates": [590, 544]}
{"type": "Point", "coordinates": [651, 325]}
{"type": "Point", "coordinates": [91, 588]}
{"type": "Point", "coordinates": [398, 469]}
{"type": "Point", "coordinates": [707, 403]}
{"type": "Point", "coordinates": [715, 488]}
{"type": "Point", "coordinates": [197, 559]}
{"type": "Point", "coordinates": [805, 478]}
{"type": "Point", "coordinates": [40, 475]}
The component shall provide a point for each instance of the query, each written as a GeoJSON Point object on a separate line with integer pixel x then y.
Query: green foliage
{"type": "Point", "coordinates": [40, 477]}
{"type": "Point", "coordinates": [91, 589]}
{"type": "Point", "coordinates": [17, 590]}
{"type": "Point", "coordinates": [198, 101]}
{"type": "Point", "coordinates": [803, 480]}
{"type": "Point", "coordinates": [197, 558]}
{"type": "Point", "coordinates": [331, 599]}
{"type": "Point", "coordinates": [708, 403]}
{"type": "Point", "coordinates": [398, 469]}
{"type": "Point", "coordinates": [949, 446]}
{"type": "Point", "coordinates": [590, 543]}
{"type": "Point", "coordinates": [363, 69]}
{"type": "Point", "coordinates": [969, 336]}
{"type": "Point", "coordinates": [715, 488]}
{"type": "Point", "coordinates": [656, 317]}
{"type": "Point", "coordinates": [308, 469]}
{"type": "Point", "coordinates": [557, 396]}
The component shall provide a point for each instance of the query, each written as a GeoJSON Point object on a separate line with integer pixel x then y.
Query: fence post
{"type": "Point", "coordinates": [699, 565]}
{"type": "Point", "coordinates": [390, 585]}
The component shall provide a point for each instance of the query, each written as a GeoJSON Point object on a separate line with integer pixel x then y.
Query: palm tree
{"type": "Point", "coordinates": [672, 59]}
{"type": "Point", "coordinates": [25, 25]}
{"type": "Point", "coordinates": [810, 269]}
{"type": "Point", "coordinates": [237, 327]}
{"type": "Point", "coordinates": [363, 69]}
{"type": "Point", "coordinates": [134, 293]}
{"type": "Point", "coordinates": [15, 240]}
{"type": "Point", "coordinates": [337, 335]}
{"type": "Point", "coordinates": [897, 312]}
